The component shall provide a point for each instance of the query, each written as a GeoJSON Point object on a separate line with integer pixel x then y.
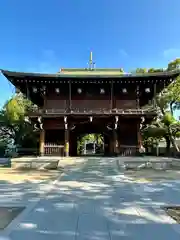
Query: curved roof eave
{"type": "Point", "coordinates": [7, 74]}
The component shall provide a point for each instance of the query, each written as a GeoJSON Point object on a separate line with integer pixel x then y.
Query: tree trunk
{"type": "Point", "coordinates": [173, 141]}
{"type": "Point", "coordinates": [171, 138]}
{"type": "Point", "coordinates": [97, 139]}
{"type": "Point", "coordinates": [171, 108]}
{"type": "Point", "coordinates": [168, 144]}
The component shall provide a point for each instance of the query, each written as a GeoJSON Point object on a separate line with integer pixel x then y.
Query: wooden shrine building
{"type": "Point", "coordinates": [79, 101]}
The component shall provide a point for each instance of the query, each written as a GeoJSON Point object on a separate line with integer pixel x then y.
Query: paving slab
{"type": "Point", "coordinates": [7, 214]}
{"type": "Point", "coordinates": [142, 231]}
{"type": "Point", "coordinates": [94, 200]}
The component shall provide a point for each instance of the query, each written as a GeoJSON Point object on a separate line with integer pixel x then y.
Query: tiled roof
{"type": "Point", "coordinates": [99, 71]}
{"type": "Point", "coordinates": [86, 73]}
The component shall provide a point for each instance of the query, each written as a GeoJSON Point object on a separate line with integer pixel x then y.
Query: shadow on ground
{"type": "Point", "coordinates": [95, 201]}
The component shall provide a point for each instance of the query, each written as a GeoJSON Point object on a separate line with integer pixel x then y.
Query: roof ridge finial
{"type": "Point", "coordinates": [91, 57]}
{"type": "Point", "coordinates": [91, 63]}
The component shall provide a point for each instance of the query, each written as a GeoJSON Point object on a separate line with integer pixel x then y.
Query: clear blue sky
{"type": "Point", "coordinates": [43, 36]}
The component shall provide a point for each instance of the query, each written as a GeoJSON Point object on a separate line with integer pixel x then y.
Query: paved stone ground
{"type": "Point", "coordinates": [20, 190]}
{"type": "Point", "coordinates": [96, 201]}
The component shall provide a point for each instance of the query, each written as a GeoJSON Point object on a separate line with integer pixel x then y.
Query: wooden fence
{"type": "Point", "coordinates": [129, 150]}
{"type": "Point", "coordinates": [52, 149]}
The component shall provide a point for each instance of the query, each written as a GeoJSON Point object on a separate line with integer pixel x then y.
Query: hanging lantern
{"type": "Point", "coordinates": [124, 90]}
{"type": "Point", "coordinates": [57, 90]}
{"type": "Point", "coordinates": [34, 89]}
{"type": "Point", "coordinates": [65, 119]}
{"type": "Point", "coordinates": [44, 89]}
{"type": "Point", "coordinates": [102, 91]}
{"type": "Point", "coordinates": [79, 90]}
{"type": "Point", "coordinates": [147, 90]}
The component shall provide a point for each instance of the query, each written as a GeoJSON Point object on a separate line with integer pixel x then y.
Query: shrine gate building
{"type": "Point", "coordinates": [91, 100]}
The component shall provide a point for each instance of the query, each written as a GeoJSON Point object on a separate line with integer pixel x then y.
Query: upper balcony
{"type": "Point", "coordinates": [55, 112]}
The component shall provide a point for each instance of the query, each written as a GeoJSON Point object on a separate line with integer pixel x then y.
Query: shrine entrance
{"type": "Point", "coordinates": [90, 138]}
{"type": "Point", "coordinates": [88, 135]}
{"type": "Point", "coordinates": [90, 144]}
{"type": "Point", "coordinates": [78, 101]}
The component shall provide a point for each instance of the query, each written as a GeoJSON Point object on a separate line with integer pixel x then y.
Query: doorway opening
{"type": "Point", "coordinates": [90, 144]}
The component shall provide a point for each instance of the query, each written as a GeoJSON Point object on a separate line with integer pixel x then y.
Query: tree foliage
{"type": "Point", "coordinates": [151, 70]}
{"type": "Point", "coordinates": [97, 138]}
{"type": "Point", "coordinates": [141, 70]}
{"type": "Point", "coordinates": [13, 127]}
{"type": "Point", "coordinates": [173, 65]}
{"type": "Point", "coordinates": [164, 127]}
{"type": "Point", "coordinates": [146, 70]}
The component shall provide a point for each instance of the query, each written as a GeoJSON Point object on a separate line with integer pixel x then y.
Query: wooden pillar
{"type": "Point", "coordinates": [106, 143]}
{"type": "Point", "coordinates": [139, 137]}
{"type": "Point", "coordinates": [137, 97]}
{"type": "Point", "coordinates": [115, 136]}
{"type": "Point", "coordinates": [112, 98]}
{"type": "Point", "coordinates": [27, 91]}
{"type": "Point", "coordinates": [66, 143]}
{"type": "Point", "coordinates": [115, 142]}
{"type": "Point", "coordinates": [41, 142]}
{"type": "Point", "coordinates": [110, 143]}
{"type": "Point", "coordinates": [66, 137]}
{"type": "Point", "coordinates": [154, 100]}
{"type": "Point", "coordinates": [70, 102]}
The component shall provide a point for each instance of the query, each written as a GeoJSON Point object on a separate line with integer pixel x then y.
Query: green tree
{"type": "Point", "coordinates": [173, 65]}
{"type": "Point", "coordinates": [170, 96]}
{"type": "Point", "coordinates": [166, 118]}
{"type": "Point", "coordinates": [151, 70]}
{"type": "Point", "coordinates": [97, 138]}
{"type": "Point", "coordinates": [165, 126]}
{"type": "Point", "coordinates": [12, 118]}
{"type": "Point", "coordinates": [141, 70]}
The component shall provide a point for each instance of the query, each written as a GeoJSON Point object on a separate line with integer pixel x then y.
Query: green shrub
{"type": "Point", "coordinates": [2, 149]}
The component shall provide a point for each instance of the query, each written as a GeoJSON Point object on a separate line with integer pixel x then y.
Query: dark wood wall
{"type": "Point", "coordinates": [82, 103]}
{"type": "Point", "coordinates": [128, 132]}
{"type": "Point", "coordinates": [90, 97]}
{"type": "Point", "coordinates": [53, 123]}
{"type": "Point", "coordinates": [54, 136]}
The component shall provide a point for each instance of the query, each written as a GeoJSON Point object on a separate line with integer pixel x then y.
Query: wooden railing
{"type": "Point", "coordinates": [126, 150]}
{"type": "Point", "coordinates": [53, 149]}
{"type": "Point", "coordinates": [94, 111]}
